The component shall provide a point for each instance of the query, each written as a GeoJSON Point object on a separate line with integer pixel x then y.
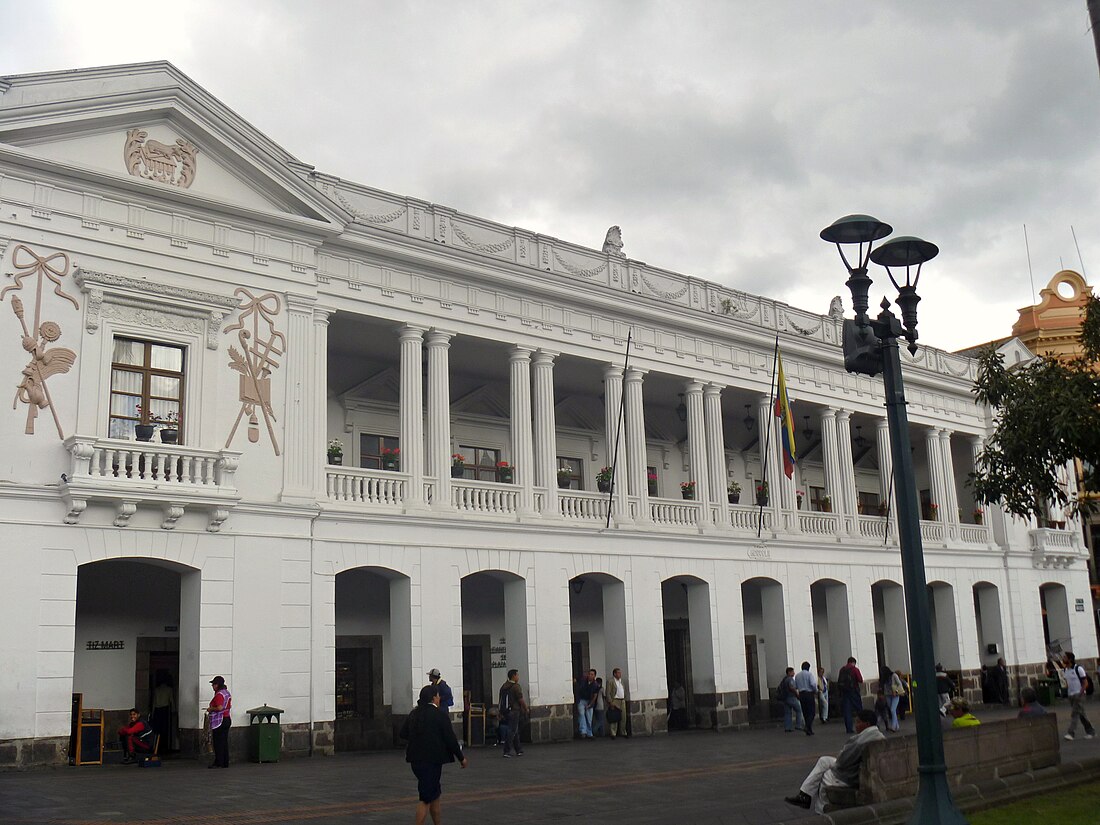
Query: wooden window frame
{"type": "Point", "coordinates": [147, 371]}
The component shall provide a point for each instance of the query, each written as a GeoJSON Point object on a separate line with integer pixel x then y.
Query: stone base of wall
{"type": "Point", "coordinates": [549, 723]}
{"type": "Point", "coordinates": [722, 711]}
{"type": "Point", "coordinates": [648, 717]}
{"type": "Point", "coordinates": [27, 753]}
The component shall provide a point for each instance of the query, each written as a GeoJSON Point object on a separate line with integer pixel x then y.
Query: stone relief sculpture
{"type": "Point", "coordinates": [46, 361]}
{"type": "Point", "coordinates": [836, 308]}
{"type": "Point", "coordinates": [613, 242]}
{"type": "Point", "coordinates": [165, 163]}
{"type": "Point", "coordinates": [261, 345]}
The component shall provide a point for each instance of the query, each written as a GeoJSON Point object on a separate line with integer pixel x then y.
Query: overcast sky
{"type": "Point", "coordinates": [721, 136]}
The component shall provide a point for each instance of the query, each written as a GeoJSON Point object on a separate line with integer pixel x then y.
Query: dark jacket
{"type": "Point", "coordinates": [431, 738]}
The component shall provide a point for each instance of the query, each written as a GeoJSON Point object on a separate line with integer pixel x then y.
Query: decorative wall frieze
{"type": "Point", "coordinates": [174, 164]}
{"type": "Point", "coordinates": [153, 304]}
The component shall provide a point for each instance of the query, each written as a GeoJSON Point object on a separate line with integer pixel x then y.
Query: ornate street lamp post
{"type": "Point", "coordinates": [870, 348]}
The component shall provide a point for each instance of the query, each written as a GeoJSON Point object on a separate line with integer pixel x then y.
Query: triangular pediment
{"type": "Point", "coordinates": [1015, 352]}
{"type": "Point", "coordinates": [148, 127]}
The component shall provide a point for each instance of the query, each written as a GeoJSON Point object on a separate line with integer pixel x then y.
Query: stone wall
{"type": "Point", "coordinates": [550, 723]}
{"type": "Point", "coordinates": [722, 711]}
{"type": "Point", "coordinates": [648, 717]}
{"type": "Point", "coordinates": [26, 753]}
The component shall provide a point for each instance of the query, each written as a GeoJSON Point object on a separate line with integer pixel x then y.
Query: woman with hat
{"type": "Point", "coordinates": [219, 711]}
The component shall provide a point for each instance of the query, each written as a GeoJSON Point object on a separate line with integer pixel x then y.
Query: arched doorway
{"type": "Point", "coordinates": [765, 641]}
{"type": "Point", "coordinates": [1055, 606]}
{"type": "Point", "coordinates": [987, 615]}
{"type": "Point", "coordinates": [891, 634]}
{"type": "Point", "coordinates": [374, 678]}
{"type": "Point", "coordinates": [137, 626]}
{"type": "Point", "coordinates": [597, 624]}
{"type": "Point", "coordinates": [945, 628]}
{"type": "Point", "coordinates": [689, 652]}
{"type": "Point", "coordinates": [494, 633]}
{"type": "Point", "coordinates": [832, 626]}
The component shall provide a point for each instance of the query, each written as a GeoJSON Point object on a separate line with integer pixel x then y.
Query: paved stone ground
{"type": "Point", "coordinates": [692, 777]}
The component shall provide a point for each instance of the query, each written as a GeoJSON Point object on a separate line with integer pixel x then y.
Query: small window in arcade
{"type": "Point", "coordinates": [146, 386]}
{"type": "Point", "coordinates": [371, 447]}
{"type": "Point", "coordinates": [481, 462]}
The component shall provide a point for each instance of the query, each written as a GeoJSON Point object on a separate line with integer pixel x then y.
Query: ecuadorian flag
{"type": "Point", "coordinates": [786, 420]}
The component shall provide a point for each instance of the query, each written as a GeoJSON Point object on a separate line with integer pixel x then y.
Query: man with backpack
{"type": "Point", "coordinates": [787, 694]}
{"type": "Point", "coordinates": [851, 700]}
{"type": "Point", "coordinates": [512, 709]}
{"type": "Point", "coordinates": [1078, 685]}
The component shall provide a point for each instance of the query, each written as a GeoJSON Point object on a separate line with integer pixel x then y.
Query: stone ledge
{"type": "Point", "coordinates": [970, 798]}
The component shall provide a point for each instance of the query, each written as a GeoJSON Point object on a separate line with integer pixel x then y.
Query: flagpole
{"type": "Point", "coordinates": [618, 429]}
{"type": "Point", "coordinates": [768, 438]}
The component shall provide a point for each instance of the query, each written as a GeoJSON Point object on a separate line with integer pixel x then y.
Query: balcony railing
{"type": "Point", "coordinates": [1054, 548]}
{"type": "Point", "coordinates": [819, 524]}
{"type": "Point", "coordinates": [484, 498]}
{"type": "Point", "coordinates": [131, 473]}
{"type": "Point", "coordinates": [380, 487]}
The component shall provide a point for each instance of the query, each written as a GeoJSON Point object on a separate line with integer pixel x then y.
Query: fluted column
{"type": "Point", "coordinates": [950, 490]}
{"type": "Point", "coordinates": [847, 468]}
{"type": "Point", "coordinates": [697, 448]}
{"type": "Point", "coordinates": [439, 416]}
{"type": "Point", "coordinates": [830, 454]}
{"type": "Point", "coordinates": [935, 473]}
{"type": "Point", "coordinates": [716, 442]}
{"type": "Point", "coordinates": [886, 469]}
{"type": "Point", "coordinates": [769, 454]}
{"type": "Point", "coordinates": [546, 453]}
{"type": "Point", "coordinates": [523, 457]}
{"type": "Point", "coordinates": [301, 460]}
{"type": "Point", "coordinates": [615, 427]}
{"type": "Point", "coordinates": [319, 375]}
{"type": "Point", "coordinates": [635, 442]}
{"type": "Point", "coordinates": [412, 413]}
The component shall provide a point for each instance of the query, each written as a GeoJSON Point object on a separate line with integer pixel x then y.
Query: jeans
{"type": "Point", "coordinates": [851, 703]}
{"type": "Point", "coordinates": [792, 711]}
{"type": "Point", "coordinates": [893, 701]}
{"type": "Point", "coordinates": [584, 719]}
{"type": "Point", "coordinates": [1077, 711]}
{"type": "Point", "coordinates": [509, 732]}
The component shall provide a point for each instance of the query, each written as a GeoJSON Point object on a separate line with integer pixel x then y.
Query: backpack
{"type": "Point", "coordinates": [844, 680]}
{"type": "Point", "coordinates": [505, 701]}
{"type": "Point", "coordinates": [1087, 686]}
{"type": "Point", "coordinates": [782, 692]}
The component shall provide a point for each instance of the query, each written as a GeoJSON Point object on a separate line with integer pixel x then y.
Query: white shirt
{"type": "Point", "coordinates": [616, 689]}
{"type": "Point", "coordinates": [1073, 680]}
{"type": "Point", "coordinates": [805, 680]}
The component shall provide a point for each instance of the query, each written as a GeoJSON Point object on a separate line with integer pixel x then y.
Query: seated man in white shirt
{"type": "Point", "coordinates": [841, 770]}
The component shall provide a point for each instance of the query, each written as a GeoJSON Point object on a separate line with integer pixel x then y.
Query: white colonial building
{"type": "Point", "coordinates": [166, 267]}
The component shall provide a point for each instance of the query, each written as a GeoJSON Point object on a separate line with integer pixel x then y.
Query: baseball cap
{"type": "Point", "coordinates": [217, 680]}
{"type": "Point", "coordinates": [434, 672]}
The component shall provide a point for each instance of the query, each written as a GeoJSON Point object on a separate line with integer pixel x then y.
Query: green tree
{"type": "Point", "coordinates": [1047, 413]}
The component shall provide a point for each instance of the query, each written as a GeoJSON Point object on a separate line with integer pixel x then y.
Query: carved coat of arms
{"type": "Point", "coordinates": [172, 163]}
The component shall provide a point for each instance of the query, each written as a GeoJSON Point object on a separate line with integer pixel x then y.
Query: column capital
{"type": "Point", "coordinates": [843, 415]}
{"type": "Point", "coordinates": [439, 337]}
{"type": "Point", "coordinates": [693, 385]}
{"type": "Point", "coordinates": [411, 332]}
{"type": "Point", "coordinates": [713, 389]}
{"type": "Point", "coordinates": [519, 352]}
{"type": "Point", "coordinates": [763, 402]}
{"type": "Point", "coordinates": [828, 412]}
{"type": "Point", "coordinates": [612, 371]}
{"type": "Point", "coordinates": [634, 375]}
{"type": "Point", "coordinates": [544, 356]}
{"type": "Point", "coordinates": [882, 424]}
{"type": "Point", "coordinates": [299, 303]}
{"type": "Point", "coordinates": [321, 314]}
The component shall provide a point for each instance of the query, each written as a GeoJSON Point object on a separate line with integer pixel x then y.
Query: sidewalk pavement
{"type": "Point", "coordinates": [734, 778]}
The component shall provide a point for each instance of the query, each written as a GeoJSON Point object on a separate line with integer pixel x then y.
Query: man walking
{"type": "Point", "coordinates": [432, 744]}
{"type": "Point", "coordinates": [841, 770]}
{"type": "Point", "coordinates": [512, 709]}
{"type": "Point", "coordinates": [586, 701]}
{"type": "Point", "coordinates": [616, 703]}
{"type": "Point", "coordinates": [806, 684]}
{"type": "Point", "coordinates": [851, 700]}
{"type": "Point", "coordinates": [1077, 681]}
{"type": "Point", "coordinates": [446, 696]}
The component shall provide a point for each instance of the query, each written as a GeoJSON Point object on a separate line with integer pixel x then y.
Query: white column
{"type": "Point", "coordinates": [546, 452]}
{"type": "Point", "coordinates": [831, 457]}
{"type": "Point", "coordinates": [635, 442]}
{"type": "Point", "coordinates": [949, 488]}
{"type": "Point", "coordinates": [302, 458]}
{"type": "Point", "coordinates": [439, 416]}
{"type": "Point", "coordinates": [935, 473]}
{"type": "Point", "coordinates": [615, 428]}
{"type": "Point", "coordinates": [716, 443]}
{"type": "Point", "coordinates": [847, 468]}
{"type": "Point", "coordinates": [697, 448]}
{"type": "Point", "coordinates": [769, 455]}
{"type": "Point", "coordinates": [523, 454]}
{"type": "Point", "coordinates": [886, 471]}
{"type": "Point", "coordinates": [412, 414]}
{"type": "Point", "coordinates": [320, 398]}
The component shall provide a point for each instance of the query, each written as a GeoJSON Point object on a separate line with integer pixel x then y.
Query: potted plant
{"type": "Point", "coordinates": [336, 452]}
{"type": "Point", "coordinates": [651, 482]}
{"type": "Point", "coordinates": [979, 515]}
{"type": "Point", "coordinates": [603, 480]}
{"type": "Point", "coordinates": [458, 465]}
{"type": "Point", "coordinates": [687, 490]}
{"type": "Point", "coordinates": [733, 492]}
{"type": "Point", "coordinates": [799, 495]}
{"type": "Point", "coordinates": [565, 477]}
{"type": "Point", "coordinates": [169, 428]}
{"type": "Point", "coordinates": [826, 504]}
{"type": "Point", "coordinates": [143, 432]}
{"type": "Point", "coordinates": [505, 472]}
{"type": "Point", "coordinates": [883, 509]}
{"type": "Point", "coordinates": [762, 494]}
{"type": "Point", "coordinates": [391, 458]}
{"type": "Point", "coordinates": [933, 511]}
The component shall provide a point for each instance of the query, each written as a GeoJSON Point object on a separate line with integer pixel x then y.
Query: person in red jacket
{"type": "Point", "coordinates": [135, 738]}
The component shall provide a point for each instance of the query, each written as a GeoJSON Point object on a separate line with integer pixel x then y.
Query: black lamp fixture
{"type": "Point", "coordinates": [859, 440]}
{"type": "Point", "coordinates": [748, 419]}
{"type": "Point", "coordinates": [871, 348]}
{"type": "Point", "coordinates": [808, 431]}
{"type": "Point", "coordinates": [681, 409]}
{"type": "Point", "coordinates": [577, 585]}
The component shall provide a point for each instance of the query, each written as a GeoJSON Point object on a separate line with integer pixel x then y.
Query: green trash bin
{"type": "Point", "coordinates": [265, 736]}
{"type": "Point", "coordinates": [1046, 690]}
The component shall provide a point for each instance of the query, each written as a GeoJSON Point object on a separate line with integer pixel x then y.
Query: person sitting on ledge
{"type": "Point", "coordinates": [842, 770]}
{"type": "Point", "coordinates": [135, 738]}
{"type": "Point", "coordinates": [959, 711]}
{"type": "Point", "coordinates": [1031, 706]}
